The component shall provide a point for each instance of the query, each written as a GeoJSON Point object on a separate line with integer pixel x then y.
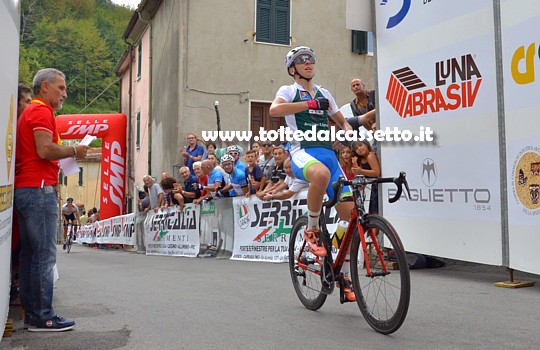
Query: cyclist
{"type": "Point", "coordinates": [304, 105]}
{"type": "Point", "coordinates": [70, 212]}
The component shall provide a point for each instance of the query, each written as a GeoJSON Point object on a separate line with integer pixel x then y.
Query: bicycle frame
{"type": "Point", "coordinates": [356, 221]}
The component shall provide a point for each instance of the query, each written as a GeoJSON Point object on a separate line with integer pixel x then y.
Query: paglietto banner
{"type": "Point", "coordinates": [262, 229]}
{"type": "Point", "coordinates": [437, 68]}
{"type": "Point", "coordinates": [117, 230]}
{"type": "Point", "coordinates": [173, 231]}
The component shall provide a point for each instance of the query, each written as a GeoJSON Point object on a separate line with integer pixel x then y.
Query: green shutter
{"type": "Point", "coordinates": [263, 20]}
{"type": "Point", "coordinates": [282, 32]}
{"type": "Point", "coordinates": [273, 25]}
{"type": "Point", "coordinates": [360, 42]}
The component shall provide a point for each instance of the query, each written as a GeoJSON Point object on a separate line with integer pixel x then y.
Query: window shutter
{"type": "Point", "coordinates": [263, 20]}
{"type": "Point", "coordinates": [80, 176]}
{"type": "Point", "coordinates": [282, 30]}
{"type": "Point", "coordinates": [360, 42]}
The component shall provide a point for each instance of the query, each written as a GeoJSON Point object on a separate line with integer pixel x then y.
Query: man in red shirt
{"type": "Point", "coordinates": [36, 178]}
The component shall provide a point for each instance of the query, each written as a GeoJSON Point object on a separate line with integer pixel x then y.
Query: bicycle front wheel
{"type": "Point", "coordinates": [382, 294]}
{"type": "Point", "coordinates": [304, 268]}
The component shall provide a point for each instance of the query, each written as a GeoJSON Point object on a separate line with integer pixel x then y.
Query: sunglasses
{"type": "Point", "coordinates": [233, 153]}
{"type": "Point", "coordinates": [267, 145]}
{"type": "Point", "coordinates": [302, 59]}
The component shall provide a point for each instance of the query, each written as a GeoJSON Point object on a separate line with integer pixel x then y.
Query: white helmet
{"type": "Point", "coordinates": [227, 158]}
{"type": "Point", "coordinates": [233, 148]}
{"type": "Point", "coordinates": [294, 53]}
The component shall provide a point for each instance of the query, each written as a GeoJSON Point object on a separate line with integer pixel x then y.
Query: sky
{"type": "Point", "coordinates": [131, 3]}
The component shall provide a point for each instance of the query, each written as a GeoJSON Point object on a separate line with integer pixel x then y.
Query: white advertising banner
{"type": "Point", "coordinates": [262, 229]}
{"type": "Point", "coordinates": [436, 69]}
{"type": "Point", "coordinates": [9, 56]}
{"type": "Point", "coordinates": [116, 230]}
{"type": "Point", "coordinates": [521, 69]}
{"type": "Point", "coordinates": [173, 231]}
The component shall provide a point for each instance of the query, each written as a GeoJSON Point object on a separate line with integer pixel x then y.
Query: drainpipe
{"type": "Point", "coordinates": [131, 176]}
{"type": "Point", "coordinates": [149, 23]}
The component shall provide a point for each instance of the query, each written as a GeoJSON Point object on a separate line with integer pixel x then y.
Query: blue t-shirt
{"type": "Point", "coordinates": [197, 151]}
{"type": "Point", "coordinates": [213, 177]}
{"type": "Point", "coordinates": [238, 180]}
{"type": "Point", "coordinates": [240, 165]}
{"type": "Point", "coordinates": [191, 185]}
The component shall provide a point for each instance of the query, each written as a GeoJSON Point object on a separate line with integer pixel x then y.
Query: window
{"type": "Point", "coordinates": [138, 131]}
{"type": "Point", "coordinates": [139, 61]}
{"type": "Point", "coordinates": [80, 176]}
{"type": "Point", "coordinates": [62, 179]}
{"type": "Point", "coordinates": [362, 42]}
{"type": "Point", "coordinates": [273, 21]}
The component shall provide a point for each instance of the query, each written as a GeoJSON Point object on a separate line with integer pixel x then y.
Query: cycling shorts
{"type": "Point", "coordinates": [70, 217]}
{"type": "Point", "coordinates": [303, 158]}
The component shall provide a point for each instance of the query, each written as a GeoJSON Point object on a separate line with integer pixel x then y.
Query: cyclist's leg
{"type": "Point", "coordinates": [306, 167]}
{"type": "Point", "coordinates": [65, 226]}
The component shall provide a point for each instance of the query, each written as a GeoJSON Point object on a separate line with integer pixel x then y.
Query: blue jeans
{"type": "Point", "coordinates": [38, 214]}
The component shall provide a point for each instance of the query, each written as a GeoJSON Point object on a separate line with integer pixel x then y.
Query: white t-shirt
{"type": "Point", "coordinates": [295, 184]}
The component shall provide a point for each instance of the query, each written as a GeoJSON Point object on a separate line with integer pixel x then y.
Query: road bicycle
{"type": "Point", "coordinates": [378, 263]}
{"type": "Point", "coordinates": [70, 235]}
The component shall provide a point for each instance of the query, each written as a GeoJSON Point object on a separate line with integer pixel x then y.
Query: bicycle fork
{"type": "Point", "coordinates": [367, 255]}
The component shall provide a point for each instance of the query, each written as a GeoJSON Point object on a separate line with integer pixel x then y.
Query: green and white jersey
{"type": "Point", "coordinates": [306, 120]}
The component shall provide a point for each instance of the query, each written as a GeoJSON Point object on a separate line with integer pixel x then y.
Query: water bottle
{"type": "Point", "coordinates": [340, 232]}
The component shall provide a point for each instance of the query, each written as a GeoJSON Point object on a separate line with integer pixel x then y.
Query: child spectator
{"type": "Point", "coordinates": [278, 174]}
{"type": "Point", "coordinates": [369, 167]}
{"type": "Point", "coordinates": [287, 188]}
{"type": "Point", "coordinates": [254, 174]}
{"type": "Point", "coordinates": [345, 161]}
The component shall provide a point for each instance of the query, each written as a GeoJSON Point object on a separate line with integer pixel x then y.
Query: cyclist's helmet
{"type": "Point", "coordinates": [70, 199]}
{"type": "Point", "coordinates": [233, 148]}
{"type": "Point", "coordinates": [294, 53]}
{"type": "Point", "coordinates": [227, 158]}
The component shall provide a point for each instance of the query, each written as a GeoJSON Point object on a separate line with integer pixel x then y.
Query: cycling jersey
{"type": "Point", "coordinates": [69, 210]}
{"type": "Point", "coordinates": [304, 120]}
{"type": "Point", "coordinates": [238, 180]}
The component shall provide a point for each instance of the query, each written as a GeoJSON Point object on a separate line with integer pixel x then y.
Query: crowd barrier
{"type": "Point", "coordinates": [238, 228]}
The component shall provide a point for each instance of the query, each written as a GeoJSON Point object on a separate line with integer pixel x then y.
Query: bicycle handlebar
{"type": "Point", "coordinates": [360, 180]}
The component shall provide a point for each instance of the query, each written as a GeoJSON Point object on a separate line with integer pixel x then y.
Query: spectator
{"type": "Point", "coordinates": [36, 178]}
{"type": "Point", "coordinates": [215, 181]}
{"type": "Point", "coordinates": [278, 174]}
{"type": "Point", "coordinates": [369, 167]}
{"type": "Point", "coordinates": [362, 106]}
{"type": "Point", "coordinates": [24, 96]}
{"type": "Point", "coordinates": [256, 146]}
{"type": "Point", "coordinates": [220, 152]}
{"type": "Point", "coordinates": [84, 218]}
{"type": "Point", "coordinates": [234, 152]}
{"type": "Point", "coordinates": [345, 161]}
{"type": "Point", "coordinates": [266, 161]}
{"type": "Point", "coordinates": [190, 190]}
{"type": "Point", "coordinates": [213, 158]}
{"type": "Point", "coordinates": [236, 182]}
{"type": "Point", "coordinates": [193, 152]}
{"type": "Point", "coordinates": [95, 214]}
{"type": "Point", "coordinates": [202, 178]}
{"type": "Point", "coordinates": [210, 149]}
{"type": "Point", "coordinates": [254, 174]}
{"type": "Point", "coordinates": [155, 192]}
{"type": "Point", "coordinates": [165, 175]}
{"type": "Point", "coordinates": [172, 195]}
{"type": "Point", "coordinates": [144, 199]}
{"type": "Point", "coordinates": [287, 188]}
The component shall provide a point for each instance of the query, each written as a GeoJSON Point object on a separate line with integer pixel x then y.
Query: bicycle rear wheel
{"type": "Point", "coordinates": [383, 297]}
{"type": "Point", "coordinates": [305, 271]}
{"type": "Point", "coordinates": [68, 244]}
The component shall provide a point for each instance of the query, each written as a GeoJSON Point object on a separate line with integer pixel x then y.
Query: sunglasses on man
{"type": "Point", "coordinates": [302, 59]}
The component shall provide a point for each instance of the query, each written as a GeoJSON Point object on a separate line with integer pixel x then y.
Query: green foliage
{"type": "Point", "coordinates": [83, 39]}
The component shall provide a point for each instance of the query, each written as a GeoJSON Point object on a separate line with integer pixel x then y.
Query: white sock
{"type": "Point", "coordinates": [313, 220]}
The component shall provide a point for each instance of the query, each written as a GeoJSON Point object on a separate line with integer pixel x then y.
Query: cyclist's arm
{"type": "Point", "coordinates": [281, 108]}
{"type": "Point", "coordinates": [341, 121]}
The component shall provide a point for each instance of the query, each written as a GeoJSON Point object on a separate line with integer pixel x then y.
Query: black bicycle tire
{"type": "Point", "coordinates": [310, 303]}
{"type": "Point", "coordinates": [69, 241]}
{"type": "Point", "coordinates": [393, 323]}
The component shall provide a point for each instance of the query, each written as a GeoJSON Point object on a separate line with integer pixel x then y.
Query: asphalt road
{"type": "Point", "coordinates": [123, 300]}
